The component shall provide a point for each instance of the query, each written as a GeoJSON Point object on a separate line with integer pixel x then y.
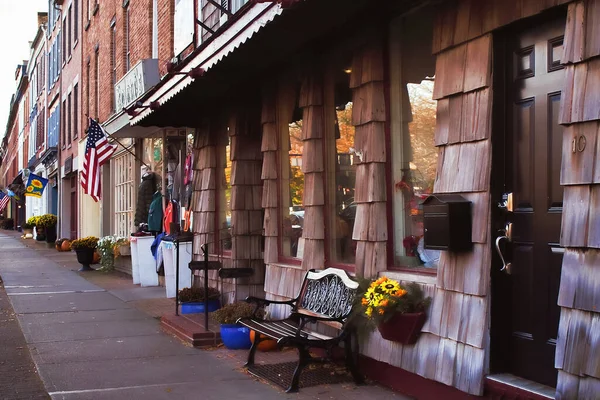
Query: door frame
{"type": "Point", "coordinates": [500, 321]}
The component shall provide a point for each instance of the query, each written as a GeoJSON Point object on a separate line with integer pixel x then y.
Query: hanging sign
{"type": "Point", "coordinates": [35, 185]}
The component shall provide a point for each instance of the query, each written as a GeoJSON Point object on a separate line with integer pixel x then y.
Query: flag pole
{"type": "Point", "coordinates": [122, 145]}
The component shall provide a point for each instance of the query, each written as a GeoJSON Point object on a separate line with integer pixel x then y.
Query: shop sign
{"type": "Point", "coordinates": [69, 165]}
{"type": "Point", "coordinates": [136, 82]}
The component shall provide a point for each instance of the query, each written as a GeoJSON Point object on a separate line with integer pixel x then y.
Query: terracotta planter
{"type": "Point", "coordinates": [403, 328]}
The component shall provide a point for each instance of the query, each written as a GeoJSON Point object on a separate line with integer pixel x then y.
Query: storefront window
{"type": "Point", "coordinates": [341, 172]}
{"type": "Point", "coordinates": [414, 155]}
{"type": "Point", "coordinates": [224, 195]}
{"type": "Point", "coordinates": [124, 190]}
{"type": "Point", "coordinates": [292, 187]}
{"type": "Point", "coordinates": [153, 154]}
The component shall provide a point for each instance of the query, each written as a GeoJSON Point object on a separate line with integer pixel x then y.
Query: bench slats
{"type": "Point", "coordinates": [280, 329]}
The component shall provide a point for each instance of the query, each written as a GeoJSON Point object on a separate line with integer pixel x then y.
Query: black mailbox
{"type": "Point", "coordinates": [447, 222]}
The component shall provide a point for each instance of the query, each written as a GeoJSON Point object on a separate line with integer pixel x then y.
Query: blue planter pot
{"type": "Point", "coordinates": [198, 308]}
{"type": "Point", "coordinates": [235, 336]}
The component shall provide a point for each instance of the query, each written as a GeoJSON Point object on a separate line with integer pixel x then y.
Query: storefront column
{"type": "Point", "coordinates": [269, 175]}
{"type": "Point", "coordinates": [204, 195]}
{"type": "Point", "coordinates": [368, 116]}
{"type": "Point", "coordinates": [313, 234]}
{"type": "Point", "coordinates": [246, 207]}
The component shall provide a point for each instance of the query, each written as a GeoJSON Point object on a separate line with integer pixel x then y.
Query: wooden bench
{"type": "Point", "coordinates": [326, 297]}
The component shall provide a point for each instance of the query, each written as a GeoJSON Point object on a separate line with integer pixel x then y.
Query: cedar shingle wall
{"type": "Point", "coordinates": [578, 347]}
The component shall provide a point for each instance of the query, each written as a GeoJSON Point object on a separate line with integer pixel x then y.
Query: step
{"type": "Point", "coordinates": [189, 331]}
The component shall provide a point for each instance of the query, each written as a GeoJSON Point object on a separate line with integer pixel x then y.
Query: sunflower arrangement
{"type": "Point", "coordinates": [385, 297]}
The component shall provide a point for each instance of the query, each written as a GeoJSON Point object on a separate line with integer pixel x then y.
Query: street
{"type": "Point", "coordinates": [91, 343]}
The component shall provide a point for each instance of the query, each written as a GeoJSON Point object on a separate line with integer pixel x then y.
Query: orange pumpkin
{"type": "Point", "coordinates": [66, 245]}
{"type": "Point", "coordinates": [265, 344]}
{"type": "Point", "coordinates": [96, 258]}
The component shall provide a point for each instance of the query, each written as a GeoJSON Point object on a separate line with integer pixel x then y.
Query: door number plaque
{"type": "Point", "coordinates": [578, 143]}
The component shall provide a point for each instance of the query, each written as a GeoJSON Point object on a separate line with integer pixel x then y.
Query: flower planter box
{"type": "Point", "coordinates": [235, 336]}
{"type": "Point", "coordinates": [403, 328]}
{"type": "Point", "coordinates": [198, 307]}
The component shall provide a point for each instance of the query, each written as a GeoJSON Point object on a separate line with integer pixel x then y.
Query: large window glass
{"type": "Point", "coordinates": [413, 118]}
{"type": "Point", "coordinates": [224, 195]}
{"type": "Point", "coordinates": [292, 185]}
{"type": "Point", "coordinates": [341, 169]}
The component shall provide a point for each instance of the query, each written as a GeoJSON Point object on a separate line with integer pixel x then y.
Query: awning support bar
{"type": "Point", "coordinates": [130, 152]}
{"type": "Point", "coordinates": [202, 24]}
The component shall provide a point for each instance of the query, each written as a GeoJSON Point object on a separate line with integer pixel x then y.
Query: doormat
{"type": "Point", "coordinates": [312, 375]}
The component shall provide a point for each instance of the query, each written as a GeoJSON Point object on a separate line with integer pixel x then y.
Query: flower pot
{"type": "Point", "coordinates": [265, 344]}
{"type": "Point", "coordinates": [235, 336]}
{"type": "Point", "coordinates": [85, 257]}
{"type": "Point", "coordinates": [27, 231]}
{"type": "Point", "coordinates": [40, 234]}
{"type": "Point", "coordinates": [50, 234]}
{"type": "Point", "coordinates": [403, 328]}
{"type": "Point", "coordinates": [194, 307]}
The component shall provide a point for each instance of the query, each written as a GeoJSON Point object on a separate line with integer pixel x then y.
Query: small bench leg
{"type": "Point", "coordinates": [252, 352]}
{"type": "Point", "coordinates": [350, 362]}
{"type": "Point", "coordinates": [304, 359]}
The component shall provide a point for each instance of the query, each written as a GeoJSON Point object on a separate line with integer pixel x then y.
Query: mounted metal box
{"type": "Point", "coordinates": [447, 223]}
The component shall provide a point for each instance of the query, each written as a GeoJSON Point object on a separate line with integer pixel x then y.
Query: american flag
{"type": "Point", "coordinates": [97, 152]}
{"type": "Point", "coordinates": [4, 199]}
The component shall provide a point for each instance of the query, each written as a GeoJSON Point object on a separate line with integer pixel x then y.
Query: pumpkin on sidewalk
{"type": "Point", "coordinates": [265, 344]}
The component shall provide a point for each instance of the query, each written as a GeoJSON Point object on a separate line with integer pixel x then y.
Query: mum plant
{"type": "Point", "coordinates": [32, 220]}
{"type": "Point", "coordinates": [89, 242]}
{"type": "Point", "coordinates": [230, 313]}
{"type": "Point", "coordinates": [108, 248]}
{"type": "Point", "coordinates": [196, 294]}
{"type": "Point", "coordinates": [46, 220]}
{"type": "Point", "coordinates": [384, 298]}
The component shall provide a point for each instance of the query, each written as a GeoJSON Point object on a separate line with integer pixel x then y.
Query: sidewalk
{"type": "Point", "coordinates": [99, 338]}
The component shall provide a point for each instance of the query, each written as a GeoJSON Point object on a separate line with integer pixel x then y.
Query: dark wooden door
{"type": "Point", "coordinates": [525, 302]}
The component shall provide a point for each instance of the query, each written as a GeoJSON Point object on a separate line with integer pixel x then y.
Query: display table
{"type": "Point", "coordinates": [170, 250]}
{"type": "Point", "coordinates": [143, 264]}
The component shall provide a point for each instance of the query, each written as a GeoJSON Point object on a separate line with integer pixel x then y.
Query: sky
{"type": "Point", "coordinates": [18, 26]}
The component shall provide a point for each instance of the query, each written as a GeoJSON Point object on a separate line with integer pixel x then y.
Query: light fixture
{"type": "Point", "coordinates": [348, 70]}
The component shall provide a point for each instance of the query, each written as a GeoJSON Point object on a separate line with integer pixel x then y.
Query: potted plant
{"type": "Point", "coordinates": [108, 249]}
{"type": "Point", "coordinates": [39, 230]}
{"type": "Point", "coordinates": [234, 335]}
{"type": "Point", "coordinates": [192, 300]}
{"type": "Point", "coordinates": [27, 230]}
{"type": "Point", "coordinates": [397, 311]}
{"type": "Point", "coordinates": [48, 224]}
{"type": "Point", "coordinates": [85, 249]}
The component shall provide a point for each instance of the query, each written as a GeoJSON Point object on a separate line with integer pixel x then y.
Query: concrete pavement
{"type": "Point", "coordinates": [91, 343]}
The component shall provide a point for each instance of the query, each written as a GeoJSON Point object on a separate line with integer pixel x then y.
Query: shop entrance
{"type": "Point", "coordinates": [525, 314]}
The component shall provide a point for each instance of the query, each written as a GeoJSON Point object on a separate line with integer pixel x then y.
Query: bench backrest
{"type": "Point", "coordinates": [327, 293]}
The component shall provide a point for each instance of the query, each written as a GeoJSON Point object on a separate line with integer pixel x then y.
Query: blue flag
{"type": "Point", "coordinates": [35, 186]}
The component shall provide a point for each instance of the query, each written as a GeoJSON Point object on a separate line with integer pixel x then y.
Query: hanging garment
{"type": "Point", "coordinates": [188, 172]}
{"type": "Point", "coordinates": [155, 214]}
{"type": "Point", "coordinates": [145, 191]}
{"type": "Point", "coordinates": [168, 218]}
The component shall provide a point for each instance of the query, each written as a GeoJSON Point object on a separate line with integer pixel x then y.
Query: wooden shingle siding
{"type": "Point", "coordinates": [580, 280]}
{"type": "Point", "coordinates": [368, 116]}
{"type": "Point", "coordinates": [581, 99]}
{"type": "Point", "coordinates": [464, 117]}
{"type": "Point", "coordinates": [579, 152]}
{"type": "Point", "coordinates": [582, 33]}
{"type": "Point", "coordinates": [313, 126]}
{"type": "Point", "coordinates": [270, 192]}
{"type": "Point", "coordinates": [578, 343]}
{"type": "Point", "coordinates": [460, 21]}
{"type": "Point", "coordinates": [464, 68]}
{"type": "Point", "coordinates": [464, 167]}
